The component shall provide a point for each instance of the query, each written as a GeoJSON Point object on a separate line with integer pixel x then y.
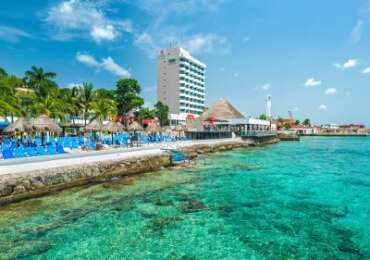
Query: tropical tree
{"type": "Point", "coordinates": [8, 101]}
{"type": "Point", "coordinates": [49, 106]}
{"type": "Point", "coordinates": [71, 105]}
{"type": "Point", "coordinates": [127, 96]}
{"type": "Point", "coordinates": [287, 126]}
{"type": "Point", "coordinates": [307, 122]}
{"type": "Point", "coordinates": [297, 122]}
{"type": "Point", "coordinates": [86, 98]}
{"type": "Point", "coordinates": [3, 73]}
{"type": "Point", "coordinates": [41, 81]}
{"type": "Point", "coordinates": [263, 117]}
{"type": "Point", "coordinates": [145, 113]}
{"type": "Point", "coordinates": [161, 111]}
{"type": "Point", "coordinates": [103, 106]}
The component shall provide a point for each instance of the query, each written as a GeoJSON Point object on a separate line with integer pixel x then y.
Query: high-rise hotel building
{"type": "Point", "coordinates": [181, 82]}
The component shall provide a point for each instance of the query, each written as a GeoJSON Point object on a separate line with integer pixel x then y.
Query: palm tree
{"type": "Point", "coordinates": [40, 80]}
{"type": "Point", "coordinates": [104, 108]}
{"type": "Point", "coordinates": [86, 97]}
{"type": "Point", "coordinates": [49, 106]}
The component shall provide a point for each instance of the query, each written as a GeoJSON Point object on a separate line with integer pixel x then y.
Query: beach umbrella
{"type": "Point", "coordinates": [113, 127]}
{"type": "Point", "coordinates": [94, 126]}
{"type": "Point", "coordinates": [135, 126]}
{"type": "Point", "coordinates": [153, 128]}
{"type": "Point", "coordinates": [44, 124]}
{"type": "Point", "coordinates": [180, 128]}
{"type": "Point", "coordinates": [21, 125]}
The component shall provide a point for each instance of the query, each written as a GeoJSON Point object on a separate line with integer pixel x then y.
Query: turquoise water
{"type": "Point", "coordinates": [305, 200]}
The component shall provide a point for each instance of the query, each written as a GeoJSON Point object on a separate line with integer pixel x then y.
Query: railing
{"type": "Point", "coordinates": [258, 134]}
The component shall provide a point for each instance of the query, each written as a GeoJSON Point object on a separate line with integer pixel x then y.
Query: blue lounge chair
{"type": "Point", "coordinates": [41, 150]}
{"type": "Point", "coordinates": [31, 151]}
{"type": "Point", "coordinates": [19, 152]}
{"type": "Point", "coordinates": [51, 150]}
{"type": "Point", "coordinates": [8, 153]}
{"type": "Point", "coordinates": [60, 148]}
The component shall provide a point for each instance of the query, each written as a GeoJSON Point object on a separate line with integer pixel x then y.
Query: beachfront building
{"type": "Point", "coordinates": [181, 83]}
{"type": "Point", "coordinates": [223, 116]}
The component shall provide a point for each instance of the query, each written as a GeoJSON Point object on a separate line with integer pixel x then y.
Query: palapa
{"type": "Point", "coordinates": [20, 126]}
{"type": "Point", "coordinates": [44, 124]}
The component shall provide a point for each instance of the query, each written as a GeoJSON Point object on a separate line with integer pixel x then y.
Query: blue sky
{"type": "Point", "coordinates": [312, 56]}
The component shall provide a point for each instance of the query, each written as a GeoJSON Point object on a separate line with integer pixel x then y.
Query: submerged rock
{"type": "Point", "coordinates": [247, 167]}
{"type": "Point", "coordinates": [193, 206]}
{"type": "Point", "coordinates": [160, 223]}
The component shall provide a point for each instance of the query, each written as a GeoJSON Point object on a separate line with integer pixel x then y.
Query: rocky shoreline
{"type": "Point", "coordinates": [20, 186]}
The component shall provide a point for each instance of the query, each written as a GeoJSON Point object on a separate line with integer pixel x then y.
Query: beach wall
{"type": "Point", "coordinates": [20, 186]}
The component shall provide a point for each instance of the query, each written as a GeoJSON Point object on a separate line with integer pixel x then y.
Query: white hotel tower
{"type": "Point", "coordinates": [181, 82]}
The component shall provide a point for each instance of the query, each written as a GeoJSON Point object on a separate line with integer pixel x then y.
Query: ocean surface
{"type": "Point", "coordinates": [293, 200]}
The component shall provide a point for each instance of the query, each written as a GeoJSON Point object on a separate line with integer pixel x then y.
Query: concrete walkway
{"type": "Point", "coordinates": [24, 165]}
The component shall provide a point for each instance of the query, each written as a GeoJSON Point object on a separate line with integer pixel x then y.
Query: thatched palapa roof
{"type": "Point", "coordinates": [221, 110]}
{"type": "Point", "coordinates": [44, 124]}
{"type": "Point", "coordinates": [113, 127]}
{"type": "Point", "coordinates": [95, 126]}
{"type": "Point", "coordinates": [153, 128]}
{"type": "Point", "coordinates": [135, 126]}
{"type": "Point", "coordinates": [21, 125]}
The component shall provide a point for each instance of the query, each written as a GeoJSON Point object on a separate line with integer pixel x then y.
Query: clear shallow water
{"type": "Point", "coordinates": [292, 200]}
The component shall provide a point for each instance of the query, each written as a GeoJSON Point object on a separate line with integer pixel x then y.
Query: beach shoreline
{"type": "Point", "coordinates": [20, 181]}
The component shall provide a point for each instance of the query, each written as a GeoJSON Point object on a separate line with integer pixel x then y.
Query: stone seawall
{"type": "Point", "coordinates": [20, 186]}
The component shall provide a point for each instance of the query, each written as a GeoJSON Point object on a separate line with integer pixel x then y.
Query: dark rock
{"type": "Point", "coordinates": [193, 206]}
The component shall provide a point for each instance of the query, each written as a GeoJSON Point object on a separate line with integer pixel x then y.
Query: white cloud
{"type": "Point", "coordinates": [236, 74]}
{"type": "Point", "coordinates": [162, 33]}
{"type": "Point", "coordinates": [266, 86]}
{"type": "Point", "coordinates": [207, 43]}
{"type": "Point", "coordinates": [107, 64]}
{"type": "Point", "coordinates": [87, 60]}
{"type": "Point", "coordinates": [366, 70]}
{"type": "Point", "coordinates": [311, 82]}
{"type": "Point", "coordinates": [347, 65]}
{"type": "Point", "coordinates": [12, 34]}
{"type": "Point", "coordinates": [331, 91]}
{"type": "Point", "coordinates": [106, 32]}
{"type": "Point", "coordinates": [80, 19]}
{"type": "Point", "coordinates": [323, 107]}
{"type": "Point", "coordinates": [356, 33]}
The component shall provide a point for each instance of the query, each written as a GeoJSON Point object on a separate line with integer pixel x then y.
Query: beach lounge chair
{"type": "Point", "coordinates": [31, 151]}
{"type": "Point", "coordinates": [8, 153]}
{"type": "Point", "coordinates": [51, 150]}
{"type": "Point", "coordinates": [41, 150]}
{"type": "Point", "coordinates": [60, 148]}
{"type": "Point", "coordinates": [19, 152]}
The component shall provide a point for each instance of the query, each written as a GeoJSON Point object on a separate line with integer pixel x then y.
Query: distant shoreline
{"type": "Point", "coordinates": [336, 135]}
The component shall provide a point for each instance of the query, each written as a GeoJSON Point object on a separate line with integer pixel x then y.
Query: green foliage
{"type": "Point", "coordinates": [161, 111]}
{"type": "Point", "coordinates": [3, 73]}
{"type": "Point", "coordinates": [38, 94]}
{"type": "Point", "coordinates": [102, 105]}
{"type": "Point", "coordinates": [127, 95]}
{"type": "Point", "coordinates": [286, 126]}
{"type": "Point", "coordinates": [41, 82]}
{"type": "Point", "coordinates": [263, 117]}
{"type": "Point", "coordinates": [297, 122]}
{"type": "Point", "coordinates": [145, 113]}
{"type": "Point", "coordinates": [307, 122]}
{"type": "Point", "coordinates": [280, 119]}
